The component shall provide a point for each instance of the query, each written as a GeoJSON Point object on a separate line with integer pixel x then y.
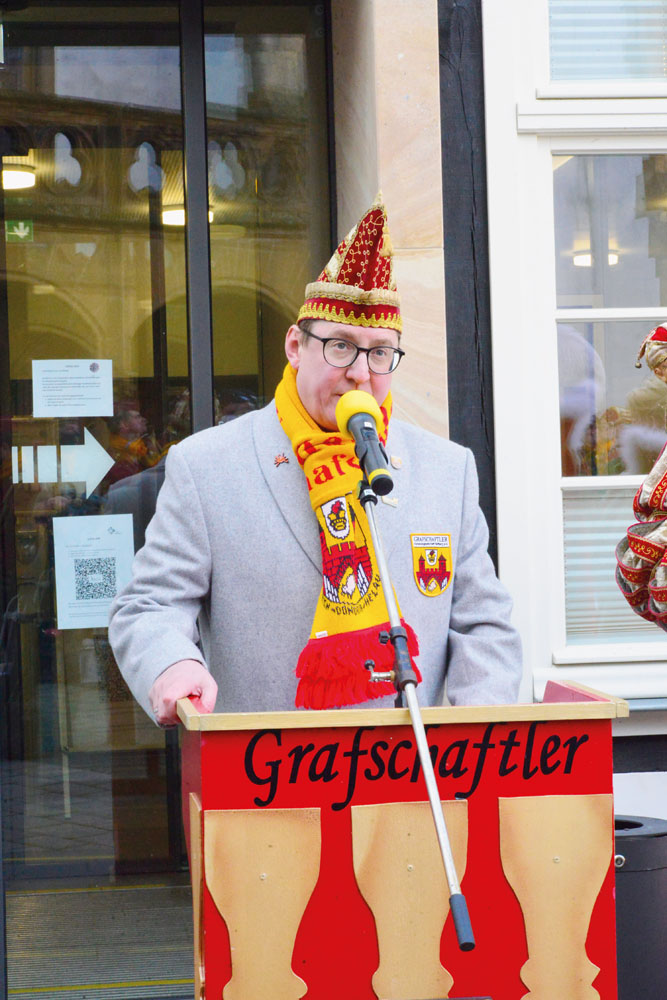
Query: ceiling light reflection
{"type": "Point", "coordinates": [175, 216]}
{"type": "Point", "coordinates": [16, 177]}
{"type": "Point", "coordinates": [584, 258]}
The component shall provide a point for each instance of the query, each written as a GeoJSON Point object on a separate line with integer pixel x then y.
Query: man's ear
{"type": "Point", "coordinates": [293, 346]}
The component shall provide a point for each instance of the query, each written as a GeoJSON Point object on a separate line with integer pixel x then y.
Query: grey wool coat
{"type": "Point", "coordinates": [231, 571]}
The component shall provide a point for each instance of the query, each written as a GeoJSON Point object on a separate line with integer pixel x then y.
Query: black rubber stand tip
{"type": "Point", "coordinates": [464, 934]}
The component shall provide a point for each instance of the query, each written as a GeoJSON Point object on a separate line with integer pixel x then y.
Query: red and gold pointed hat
{"type": "Point", "coordinates": [357, 286]}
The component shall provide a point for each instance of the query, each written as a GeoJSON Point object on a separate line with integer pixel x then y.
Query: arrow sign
{"type": "Point", "coordinates": [84, 463]}
{"type": "Point", "coordinates": [19, 231]}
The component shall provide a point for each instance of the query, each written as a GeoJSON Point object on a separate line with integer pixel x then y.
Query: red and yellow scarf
{"type": "Point", "coordinates": [351, 609]}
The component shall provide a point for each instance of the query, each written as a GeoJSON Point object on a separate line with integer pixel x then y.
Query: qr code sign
{"type": "Point", "coordinates": [94, 579]}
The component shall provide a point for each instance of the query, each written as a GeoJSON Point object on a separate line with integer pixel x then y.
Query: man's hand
{"type": "Point", "coordinates": [181, 680]}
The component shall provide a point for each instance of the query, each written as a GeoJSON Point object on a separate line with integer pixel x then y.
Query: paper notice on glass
{"type": "Point", "coordinates": [93, 560]}
{"type": "Point", "coordinates": [71, 388]}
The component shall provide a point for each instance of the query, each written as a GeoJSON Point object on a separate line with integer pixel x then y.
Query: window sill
{"type": "Point", "coordinates": [647, 704]}
{"type": "Point", "coordinates": [612, 653]}
{"type": "Point", "coordinates": [587, 484]}
{"type": "Point", "coordinates": [571, 116]}
{"type": "Point", "coordinates": [634, 671]}
{"type": "Point", "coordinates": [578, 90]}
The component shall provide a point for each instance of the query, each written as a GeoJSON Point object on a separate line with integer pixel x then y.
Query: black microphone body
{"type": "Point", "coordinates": [372, 456]}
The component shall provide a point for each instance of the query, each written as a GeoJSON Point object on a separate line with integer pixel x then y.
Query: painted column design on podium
{"type": "Point", "coordinates": [400, 874]}
{"type": "Point", "coordinates": [197, 876]}
{"type": "Point", "coordinates": [556, 852]}
{"type": "Point", "coordinates": [262, 862]}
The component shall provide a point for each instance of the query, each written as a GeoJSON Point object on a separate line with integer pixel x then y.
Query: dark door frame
{"type": "Point", "coordinates": [195, 186]}
{"type": "Point", "coordinates": [8, 587]}
{"type": "Point", "coordinates": [467, 283]}
{"type": "Point", "coordinates": [3, 919]}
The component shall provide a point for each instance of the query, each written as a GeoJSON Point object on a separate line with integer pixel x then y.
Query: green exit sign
{"type": "Point", "coordinates": [19, 231]}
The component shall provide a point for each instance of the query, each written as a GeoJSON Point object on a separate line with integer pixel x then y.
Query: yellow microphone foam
{"type": "Point", "coordinates": [354, 402]}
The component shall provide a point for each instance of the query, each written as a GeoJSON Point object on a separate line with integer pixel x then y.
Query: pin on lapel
{"type": "Point", "coordinates": [281, 459]}
{"type": "Point", "coordinates": [396, 462]}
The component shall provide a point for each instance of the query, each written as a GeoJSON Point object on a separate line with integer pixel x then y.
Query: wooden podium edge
{"type": "Point", "coordinates": [589, 704]}
{"type": "Point", "coordinates": [571, 691]}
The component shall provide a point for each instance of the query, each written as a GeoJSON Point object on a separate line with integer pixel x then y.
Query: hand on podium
{"type": "Point", "coordinates": [184, 679]}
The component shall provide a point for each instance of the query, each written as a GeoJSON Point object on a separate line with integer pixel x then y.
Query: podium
{"type": "Point", "coordinates": [316, 869]}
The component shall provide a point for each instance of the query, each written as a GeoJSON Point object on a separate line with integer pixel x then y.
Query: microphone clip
{"type": "Point", "coordinates": [365, 492]}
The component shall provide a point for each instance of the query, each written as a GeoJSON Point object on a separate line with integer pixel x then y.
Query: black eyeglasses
{"type": "Point", "coordinates": [343, 353]}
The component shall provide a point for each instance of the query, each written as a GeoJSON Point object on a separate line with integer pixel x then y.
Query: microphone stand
{"type": "Point", "coordinates": [405, 681]}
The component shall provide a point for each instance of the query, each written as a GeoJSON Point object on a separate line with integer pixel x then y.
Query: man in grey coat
{"type": "Point", "coordinates": [228, 587]}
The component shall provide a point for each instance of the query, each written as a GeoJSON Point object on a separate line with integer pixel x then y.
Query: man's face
{"type": "Point", "coordinates": [133, 425]}
{"type": "Point", "coordinates": [319, 384]}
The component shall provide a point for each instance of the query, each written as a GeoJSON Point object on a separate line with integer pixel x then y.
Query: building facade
{"type": "Point", "coordinates": [173, 175]}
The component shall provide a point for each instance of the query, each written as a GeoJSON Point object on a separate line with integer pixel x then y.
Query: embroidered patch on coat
{"type": "Point", "coordinates": [432, 563]}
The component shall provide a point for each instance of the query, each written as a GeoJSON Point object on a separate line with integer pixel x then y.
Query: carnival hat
{"type": "Point", "coordinates": [357, 285]}
{"type": "Point", "coordinates": [654, 348]}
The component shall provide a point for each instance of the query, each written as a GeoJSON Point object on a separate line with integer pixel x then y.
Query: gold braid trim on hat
{"type": "Point", "coordinates": [351, 293]}
{"type": "Point", "coordinates": [332, 269]}
{"type": "Point", "coordinates": [333, 315]}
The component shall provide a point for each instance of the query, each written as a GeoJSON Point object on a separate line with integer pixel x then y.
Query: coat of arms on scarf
{"type": "Point", "coordinates": [346, 563]}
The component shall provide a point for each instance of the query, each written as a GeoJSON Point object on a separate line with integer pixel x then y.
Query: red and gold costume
{"type": "Point", "coordinates": [641, 556]}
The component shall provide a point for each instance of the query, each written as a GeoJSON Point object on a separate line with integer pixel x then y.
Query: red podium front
{"type": "Point", "coordinates": [315, 864]}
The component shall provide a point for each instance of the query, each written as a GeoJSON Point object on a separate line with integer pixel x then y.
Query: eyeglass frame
{"type": "Point", "coordinates": [360, 350]}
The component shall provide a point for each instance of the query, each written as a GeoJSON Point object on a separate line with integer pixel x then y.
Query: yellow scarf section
{"type": "Point", "coordinates": [351, 609]}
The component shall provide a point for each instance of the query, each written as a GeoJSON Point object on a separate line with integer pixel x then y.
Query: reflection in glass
{"type": "Point", "coordinates": [146, 76]}
{"type": "Point", "coordinates": [268, 186]}
{"type": "Point", "coordinates": [88, 273]}
{"type": "Point", "coordinates": [613, 416]}
{"type": "Point", "coordinates": [611, 230]}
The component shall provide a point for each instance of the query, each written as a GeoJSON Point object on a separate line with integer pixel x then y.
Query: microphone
{"type": "Point", "coordinates": [358, 415]}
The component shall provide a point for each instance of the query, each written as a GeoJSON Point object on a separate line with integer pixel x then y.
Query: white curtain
{"type": "Point", "coordinates": [608, 39]}
{"type": "Point", "coordinates": [595, 610]}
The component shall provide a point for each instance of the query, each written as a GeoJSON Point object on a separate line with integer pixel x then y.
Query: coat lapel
{"type": "Point", "coordinates": [393, 521]}
{"type": "Point", "coordinates": [287, 484]}
{"type": "Point", "coordinates": [286, 481]}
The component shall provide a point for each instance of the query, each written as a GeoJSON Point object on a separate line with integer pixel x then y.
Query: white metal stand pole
{"type": "Point", "coordinates": [407, 686]}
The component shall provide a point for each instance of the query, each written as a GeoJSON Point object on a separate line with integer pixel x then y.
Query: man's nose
{"type": "Point", "coordinates": [359, 371]}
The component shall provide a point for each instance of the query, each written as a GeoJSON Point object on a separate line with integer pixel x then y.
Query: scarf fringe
{"type": "Point", "coordinates": [331, 669]}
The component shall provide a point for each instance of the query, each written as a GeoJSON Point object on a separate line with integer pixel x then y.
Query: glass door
{"type": "Point", "coordinates": [94, 389]}
{"type": "Point", "coordinates": [101, 363]}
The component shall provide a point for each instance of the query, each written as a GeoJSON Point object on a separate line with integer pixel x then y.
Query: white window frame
{"type": "Point", "coordinates": [528, 120]}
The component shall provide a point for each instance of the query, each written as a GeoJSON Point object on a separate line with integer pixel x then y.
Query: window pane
{"type": "Point", "coordinates": [92, 130]}
{"type": "Point", "coordinates": [608, 39]}
{"type": "Point", "coordinates": [613, 416]}
{"type": "Point", "coordinates": [595, 609]}
{"type": "Point", "coordinates": [610, 230]}
{"type": "Point", "coordinates": [268, 186]}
